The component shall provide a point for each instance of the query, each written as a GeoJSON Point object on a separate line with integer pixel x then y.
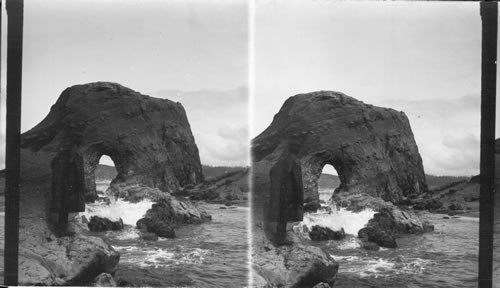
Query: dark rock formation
{"type": "Point", "coordinates": [104, 280]}
{"type": "Point", "coordinates": [379, 237]}
{"type": "Point", "coordinates": [296, 265]}
{"type": "Point", "coordinates": [67, 261]}
{"type": "Point", "coordinates": [151, 144]}
{"type": "Point", "coordinates": [319, 233]}
{"type": "Point", "coordinates": [98, 224]}
{"type": "Point", "coordinates": [372, 148]}
{"type": "Point", "coordinates": [428, 227]}
{"type": "Point", "coordinates": [367, 245]}
{"type": "Point", "coordinates": [166, 214]}
{"type": "Point", "coordinates": [322, 285]}
{"type": "Point", "coordinates": [153, 222]}
{"type": "Point", "coordinates": [149, 139]}
{"type": "Point", "coordinates": [149, 236]}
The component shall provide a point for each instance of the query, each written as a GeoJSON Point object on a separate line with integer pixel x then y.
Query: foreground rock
{"type": "Point", "coordinates": [319, 233]}
{"type": "Point", "coordinates": [296, 265]}
{"type": "Point", "coordinates": [50, 261]}
{"type": "Point", "coordinates": [99, 224]}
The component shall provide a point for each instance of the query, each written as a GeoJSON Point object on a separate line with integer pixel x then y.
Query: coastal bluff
{"type": "Point", "coordinates": [149, 140]}
{"type": "Point", "coordinates": [373, 151]}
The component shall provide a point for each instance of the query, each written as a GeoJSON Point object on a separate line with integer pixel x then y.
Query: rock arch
{"type": "Point", "coordinates": [372, 148]}
{"type": "Point", "coordinates": [149, 139]}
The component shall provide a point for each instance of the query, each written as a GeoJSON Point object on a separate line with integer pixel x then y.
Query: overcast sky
{"type": "Point", "coordinates": [419, 57]}
{"type": "Point", "coordinates": [149, 46]}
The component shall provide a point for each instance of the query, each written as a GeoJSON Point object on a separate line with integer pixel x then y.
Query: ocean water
{"type": "Point", "coordinates": [446, 257]}
{"type": "Point", "coordinates": [206, 255]}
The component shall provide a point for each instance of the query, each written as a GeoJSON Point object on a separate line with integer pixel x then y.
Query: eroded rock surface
{"type": "Point", "coordinates": [296, 265]}
{"type": "Point", "coordinates": [372, 148]}
{"type": "Point", "coordinates": [47, 260]}
{"type": "Point", "coordinates": [149, 139]}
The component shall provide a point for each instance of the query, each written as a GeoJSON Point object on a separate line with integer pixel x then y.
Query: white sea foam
{"type": "Point", "coordinates": [351, 243]}
{"type": "Point", "coordinates": [339, 218]}
{"type": "Point", "coordinates": [376, 267]}
{"type": "Point", "coordinates": [127, 234]}
{"type": "Point", "coordinates": [162, 258]}
{"type": "Point", "coordinates": [128, 212]}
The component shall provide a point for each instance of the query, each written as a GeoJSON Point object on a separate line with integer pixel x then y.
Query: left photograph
{"type": "Point", "coordinates": [134, 145]}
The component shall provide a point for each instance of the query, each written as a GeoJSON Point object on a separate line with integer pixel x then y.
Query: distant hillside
{"type": "Point", "coordinates": [328, 181]}
{"type": "Point", "coordinates": [438, 182]}
{"type": "Point", "coordinates": [105, 172]}
{"type": "Point", "coordinates": [216, 171]}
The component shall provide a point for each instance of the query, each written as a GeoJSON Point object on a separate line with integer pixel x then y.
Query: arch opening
{"type": "Point", "coordinates": [328, 182]}
{"type": "Point", "coordinates": [312, 168]}
{"type": "Point", "coordinates": [91, 158]}
{"type": "Point", "coordinates": [105, 173]}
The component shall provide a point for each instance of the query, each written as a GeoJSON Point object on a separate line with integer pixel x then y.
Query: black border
{"type": "Point", "coordinates": [13, 135]}
{"type": "Point", "coordinates": [489, 16]}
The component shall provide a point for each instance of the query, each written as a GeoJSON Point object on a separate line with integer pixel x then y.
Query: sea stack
{"type": "Point", "coordinates": [372, 149]}
{"type": "Point", "coordinates": [151, 144]}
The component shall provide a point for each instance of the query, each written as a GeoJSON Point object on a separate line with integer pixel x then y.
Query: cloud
{"type": "Point", "coordinates": [219, 122]}
{"type": "Point", "coordinates": [446, 131]}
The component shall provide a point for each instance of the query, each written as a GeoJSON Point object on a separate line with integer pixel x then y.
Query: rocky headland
{"type": "Point", "coordinates": [378, 163]}
{"type": "Point", "coordinates": [150, 142]}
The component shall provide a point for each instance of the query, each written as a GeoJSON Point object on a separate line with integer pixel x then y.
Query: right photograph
{"type": "Point", "coordinates": [366, 144]}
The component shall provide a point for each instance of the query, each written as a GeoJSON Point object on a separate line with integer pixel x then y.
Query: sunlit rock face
{"type": "Point", "coordinates": [372, 148]}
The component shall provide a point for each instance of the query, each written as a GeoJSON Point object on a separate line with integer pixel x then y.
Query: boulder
{"type": "Point", "coordinates": [456, 206]}
{"type": "Point", "coordinates": [378, 237]}
{"type": "Point", "coordinates": [148, 236]}
{"type": "Point", "coordinates": [165, 215]}
{"type": "Point", "coordinates": [293, 265]}
{"type": "Point", "coordinates": [369, 245]}
{"type": "Point", "coordinates": [98, 224]}
{"type": "Point", "coordinates": [322, 285]}
{"type": "Point", "coordinates": [428, 227]}
{"type": "Point", "coordinates": [390, 219]}
{"type": "Point", "coordinates": [319, 233]}
{"type": "Point", "coordinates": [104, 280]}
{"type": "Point", "coordinates": [180, 211]}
